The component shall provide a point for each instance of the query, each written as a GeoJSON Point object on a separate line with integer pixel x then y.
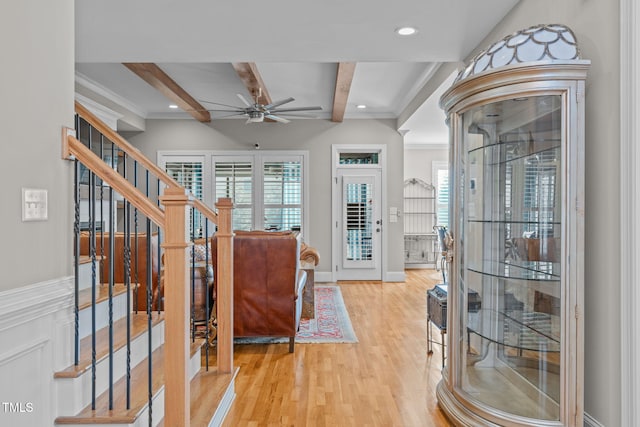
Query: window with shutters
{"type": "Point", "coordinates": [282, 194]}
{"type": "Point", "coordinates": [188, 172]}
{"type": "Point", "coordinates": [441, 179]}
{"type": "Point", "coordinates": [267, 188]}
{"type": "Point", "coordinates": [234, 179]}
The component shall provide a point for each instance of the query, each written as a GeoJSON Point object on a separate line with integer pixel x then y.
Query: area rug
{"type": "Point", "coordinates": [331, 323]}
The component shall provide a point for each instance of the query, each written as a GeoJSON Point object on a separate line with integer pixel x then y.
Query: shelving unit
{"type": "Point", "coordinates": [420, 241]}
{"type": "Point", "coordinates": [518, 227]}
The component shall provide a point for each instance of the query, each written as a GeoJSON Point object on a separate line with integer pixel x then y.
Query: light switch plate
{"type": "Point", "coordinates": [34, 204]}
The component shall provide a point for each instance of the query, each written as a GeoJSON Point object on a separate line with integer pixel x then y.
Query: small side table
{"type": "Point", "coordinates": [437, 316]}
{"type": "Point", "coordinates": [308, 300]}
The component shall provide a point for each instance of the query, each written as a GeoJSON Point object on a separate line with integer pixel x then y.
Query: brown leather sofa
{"type": "Point", "coordinates": [138, 252]}
{"type": "Point", "coordinates": [268, 284]}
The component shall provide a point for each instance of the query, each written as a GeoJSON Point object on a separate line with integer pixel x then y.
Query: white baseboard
{"type": "Point", "coordinates": [323, 277]}
{"type": "Point", "coordinates": [589, 421]}
{"type": "Point", "coordinates": [391, 276]}
{"type": "Point", "coordinates": [395, 276]}
{"type": "Point", "coordinates": [34, 330]}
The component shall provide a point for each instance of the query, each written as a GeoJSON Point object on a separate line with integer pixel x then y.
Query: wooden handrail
{"type": "Point", "coordinates": [115, 180]}
{"type": "Point", "coordinates": [132, 151]}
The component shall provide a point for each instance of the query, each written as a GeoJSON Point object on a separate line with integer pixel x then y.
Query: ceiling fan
{"type": "Point", "coordinates": [256, 112]}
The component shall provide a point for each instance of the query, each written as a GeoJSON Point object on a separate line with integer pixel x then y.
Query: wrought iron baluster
{"type": "Point", "coordinates": [207, 292]}
{"type": "Point", "coordinates": [135, 242]}
{"type": "Point", "coordinates": [111, 281]}
{"type": "Point", "coordinates": [194, 321]}
{"type": "Point", "coordinates": [92, 252]}
{"type": "Point", "coordinates": [76, 245]}
{"type": "Point", "coordinates": [160, 299]}
{"type": "Point", "coordinates": [149, 311]}
{"type": "Point", "coordinates": [127, 259]}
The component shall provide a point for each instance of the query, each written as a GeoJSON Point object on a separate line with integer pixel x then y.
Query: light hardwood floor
{"type": "Point", "coordinates": [386, 379]}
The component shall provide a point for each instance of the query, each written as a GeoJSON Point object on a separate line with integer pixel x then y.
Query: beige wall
{"type": "Point", "coordinates": [418, 162]}
{"type": "Point", "coordinates": [316, 136]}
{"type": "Point", "coordinates": [37, 45]}
{"type": "Point", "coordinates": [596, 25]}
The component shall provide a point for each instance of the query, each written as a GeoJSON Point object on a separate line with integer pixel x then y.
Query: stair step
{"type": "Point", "coordinates": [139, 395]}
{"type": "Point", "coordinates": [86, 269]}
{"type": "Point", "coordinates": [213, 388]}
{"type": "Point", "coordinates": [86, 259]}
{"type": "Point", "coordinates": [139, 325]}
{"type": "Point", "coordinates": [118, 310]}
{"type": "Point", "coordinates": [217, 390]}
{"type": "Point", "coordinates": [102, 294]}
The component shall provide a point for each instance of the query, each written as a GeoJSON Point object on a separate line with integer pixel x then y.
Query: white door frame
{"type": "Point", "coordinates": [336, 200]}
{"type": "Point", "coordinates": [629, 205]}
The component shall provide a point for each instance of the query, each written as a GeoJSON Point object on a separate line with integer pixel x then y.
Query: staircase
{"type": "Point", "coordinates": [130, 360]}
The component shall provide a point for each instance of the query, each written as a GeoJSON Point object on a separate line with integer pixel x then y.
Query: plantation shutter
{"type": "Point", "coordinates": [234, 179]}
{"type": "Point", "coordinates": [282, 195]}
{"type": "Point", "coordinates": [442, 197]}
{"type": "Point", "coordinates": [539, 192]}
{"type": "Point", "coordinates": [189, 175]}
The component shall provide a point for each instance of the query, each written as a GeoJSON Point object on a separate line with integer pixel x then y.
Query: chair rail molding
{"type": "Point", "coordinates": [629, 205]}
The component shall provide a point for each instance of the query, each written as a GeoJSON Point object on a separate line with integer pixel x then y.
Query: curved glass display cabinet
{"type": "Point", "coordinates": [516, 119]}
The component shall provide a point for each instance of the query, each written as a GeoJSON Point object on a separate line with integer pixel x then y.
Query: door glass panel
{"type": "Point", "coordinates": [358, 221]}
{"type": "Point", "coordinates": [510, 285]}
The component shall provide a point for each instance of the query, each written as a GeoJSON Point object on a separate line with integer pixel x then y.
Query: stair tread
{"type": "Point", "coordinates": [139, 324]}
{"type": "Point", "coordinates": [210, 387]}
{"type": "Point", "coordinates": [139, 394]}
{"type": "Point", "coordinates": [102, 294]}
{"type": "Point", "coordinates": [86, 259]}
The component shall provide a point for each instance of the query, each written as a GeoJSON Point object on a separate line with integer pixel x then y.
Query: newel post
{"type": "Point", "coordinates": [224, 287]}
{"type": "Point", "coordinates": [177, 398]}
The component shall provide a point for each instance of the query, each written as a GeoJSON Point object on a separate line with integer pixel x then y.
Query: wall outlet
{"type": "Point", "coordinates": [34, 204]}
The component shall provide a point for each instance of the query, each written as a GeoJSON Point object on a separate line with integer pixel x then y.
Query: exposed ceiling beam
{"type": "Point", "coordinates": [152, 74]}
{"type": "Point", "coordinates": [250, 76]}
{"type": "Point", "coordinates": [344, 77]}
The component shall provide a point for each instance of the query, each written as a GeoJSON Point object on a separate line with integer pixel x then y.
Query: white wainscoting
{"type": "Point", "coordinates": [36, 332]}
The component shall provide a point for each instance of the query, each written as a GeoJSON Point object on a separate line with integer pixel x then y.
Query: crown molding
{"type": "Point", "coordinates": [100, 90]}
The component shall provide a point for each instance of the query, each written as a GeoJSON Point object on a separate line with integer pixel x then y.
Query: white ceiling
{"type": "Point", "coordinates": [295, 45]}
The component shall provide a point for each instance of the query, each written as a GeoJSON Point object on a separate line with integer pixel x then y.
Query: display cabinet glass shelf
{"type": "Point", "coordinates": [517, 185]}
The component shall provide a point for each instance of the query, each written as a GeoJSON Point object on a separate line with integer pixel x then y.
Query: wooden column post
{"type": "Point", "coordinates": [224, 287]}
{"type": "Point", "coordinates": [176, 342]}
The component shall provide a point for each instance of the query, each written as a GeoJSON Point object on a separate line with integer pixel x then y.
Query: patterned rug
{"type": "Point", "coordinates": [331, 323]}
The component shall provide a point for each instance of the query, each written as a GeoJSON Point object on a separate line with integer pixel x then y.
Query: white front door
{"type": "Point", "coordinates": [359, 224]}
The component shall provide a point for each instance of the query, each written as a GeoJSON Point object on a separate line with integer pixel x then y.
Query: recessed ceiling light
{"type": "Point", "coordinates": [361, 106]}
{"type": "Point", "coordinates": [173, 106]}
{"type": "Point", "coordinates": [406, 31]}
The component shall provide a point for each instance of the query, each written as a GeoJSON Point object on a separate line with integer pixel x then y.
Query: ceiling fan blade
{"type": "Point", "coordinates": [244, 100]}
{"type": "Point", "coordinates": [304, 116]}
{"type": "Point", "coordinates": [276, 118]}
{"type": "Point", "coordinates": [292, 109]}
{"type": "Point", "coordinates": [238, 110]}
{"type": "Point", "coordinates": [224, 105]}
{"type": "Point", "coordinates": [278, 103]}
{"type": "Point", "coordinates": [229, 115]}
